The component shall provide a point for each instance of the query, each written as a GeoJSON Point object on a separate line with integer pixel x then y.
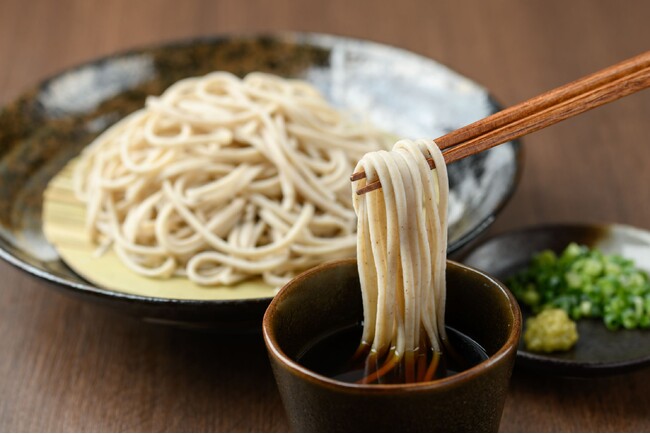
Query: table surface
{"type": "Point", "coordinates": [70, 366]}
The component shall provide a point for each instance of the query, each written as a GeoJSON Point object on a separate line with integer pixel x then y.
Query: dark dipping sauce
{"type": "Point", "coordinates": [331, 356]}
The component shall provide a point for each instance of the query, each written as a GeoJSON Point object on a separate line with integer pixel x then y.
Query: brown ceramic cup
{"type": "Point", "coordinates": [328, 298]}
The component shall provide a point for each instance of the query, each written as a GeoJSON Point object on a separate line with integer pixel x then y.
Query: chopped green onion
{"type": "Point", "coordinates": [586, 283]}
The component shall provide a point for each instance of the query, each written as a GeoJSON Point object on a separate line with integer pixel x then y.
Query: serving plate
{"type": "Point", "coordinates": [599, 351]}
{"type": "Point", "coordinates": [404, 93]}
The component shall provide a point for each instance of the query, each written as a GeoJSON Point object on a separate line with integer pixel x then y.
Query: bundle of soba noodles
{"type": "Point", "coordinates": [401, 254]}
{"type": "Point", "coordinates": [221, 179]}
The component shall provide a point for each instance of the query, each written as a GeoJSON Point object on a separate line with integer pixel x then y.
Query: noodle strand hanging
{"type": "Point", "coordinates": [401, 254]}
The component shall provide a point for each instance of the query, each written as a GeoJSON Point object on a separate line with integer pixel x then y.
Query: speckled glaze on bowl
{"type": "Point", "coordinates": [404, 93]}
{"type": "Point", "coordinates": [599, 351]}
{"type": "Point", "coordinates": [328, 298]}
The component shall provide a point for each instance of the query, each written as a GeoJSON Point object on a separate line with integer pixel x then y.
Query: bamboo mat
{"type": "Point", "coordinates": [63, 225]}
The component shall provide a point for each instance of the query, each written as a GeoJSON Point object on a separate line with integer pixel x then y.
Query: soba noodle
{"type": "Point", "coordinates": [401, 253]}
{"type": "Point", "coordinates": [221, 179]}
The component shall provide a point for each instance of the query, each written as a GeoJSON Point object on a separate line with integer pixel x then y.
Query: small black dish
{"type": "Point", "coordinates": [599, 351]}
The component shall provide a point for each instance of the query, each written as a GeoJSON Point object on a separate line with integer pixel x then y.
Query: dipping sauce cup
{"type": "Point", "coordinates": [328, 298]}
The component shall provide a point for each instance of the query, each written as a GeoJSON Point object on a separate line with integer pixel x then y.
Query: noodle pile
{"type": "Point", "coordinates": [221, 179]}
{"type": "Point", "coordinates": [401, 253]}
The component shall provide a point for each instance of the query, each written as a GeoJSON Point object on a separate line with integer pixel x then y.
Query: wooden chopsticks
{"type": "Point", "coordinates": [591, 91]}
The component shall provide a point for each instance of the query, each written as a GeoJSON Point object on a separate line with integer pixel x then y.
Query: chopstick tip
{"type": "Point", "coordinates": [369, 187]}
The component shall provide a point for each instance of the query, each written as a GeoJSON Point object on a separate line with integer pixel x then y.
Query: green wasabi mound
{"type": "Point", "coordinates": [551, 330]}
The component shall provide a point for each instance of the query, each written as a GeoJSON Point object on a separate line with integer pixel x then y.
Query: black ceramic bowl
{"type": "Point", "coordinates": [328, 298]}
{"type": "Point", "coordinates": [599, 351]}
{"type": "Point", "coordinates": [404, 93]}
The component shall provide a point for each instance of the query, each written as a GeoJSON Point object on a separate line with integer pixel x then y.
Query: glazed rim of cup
{"type": "Point", "coordinates": [274, 348]}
